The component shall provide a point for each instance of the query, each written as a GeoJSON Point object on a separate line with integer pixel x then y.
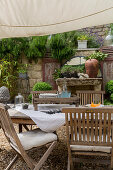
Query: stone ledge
{"type": "Point", "coordinates": [77, 81]}
{"type": "Point", "coordinates": [88, 49]}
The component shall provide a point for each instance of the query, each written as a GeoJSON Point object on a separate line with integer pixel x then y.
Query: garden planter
{"type": "Point", "coordinates": [23, 75]}
{"type": "Point", "coordinates": [92, 67]}
{"type": "Point", "coordinates": [82, 44]}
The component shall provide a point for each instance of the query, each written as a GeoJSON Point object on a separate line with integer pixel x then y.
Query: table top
{"type": "Point", "coordinates": [46, 122]}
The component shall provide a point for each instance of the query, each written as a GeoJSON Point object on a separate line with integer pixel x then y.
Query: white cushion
{"type": "Point", "coordinates": [35, 138]}
{"type": "Point", "coordinates": [91, 148]}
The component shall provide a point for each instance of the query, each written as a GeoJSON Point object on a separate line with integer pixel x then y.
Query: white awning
{"type": "Point", "coordinates": [23, 18]}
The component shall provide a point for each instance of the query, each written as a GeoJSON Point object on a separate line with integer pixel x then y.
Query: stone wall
{"type": "Point", "coordinates": [35, 75]}
{"type": "Point", "coordinates": [99, 32]}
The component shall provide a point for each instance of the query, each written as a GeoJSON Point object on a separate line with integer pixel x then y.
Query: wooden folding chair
{"type": "Point", "coordinates": [89, 96]}
{"type": "Point", "coordinates": [89, 132]}
{"type": "Point", "coordinates": [21, 142]}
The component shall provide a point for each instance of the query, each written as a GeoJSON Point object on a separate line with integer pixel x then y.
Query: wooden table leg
{"type": "Point", "coordinates": [20, 128]}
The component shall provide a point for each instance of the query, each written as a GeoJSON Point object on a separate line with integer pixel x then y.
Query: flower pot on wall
{"type": "Point", "coordinates": [82, 44]}
{"type": "Point", "coordinates": [23, 75]}
{"type": "Point", "coordinates": [92, 67]}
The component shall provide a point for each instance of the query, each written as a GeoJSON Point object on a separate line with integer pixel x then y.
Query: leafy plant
{"type": "Point", "coordinates": [22, 68]}
{"type": "Point", "coordinates": [97, 55]}
{"type": "Point", "coordinates": [35, 48]}
{"type": "Point", "coordinates": [60, 47]}
{"type": "Point", "coordinates": [70, 68]}
{"type": "Point", "coordinates": [30, 98]}
{"type": "Point", "coordinates": [107, 102]}
{"type": "Point", "coordinates": [109, 87]}
{"type": "Point", "coordinates": [42, 86]}
{"type": "Point", "coordinates": [82, 37]}
{"type": "Point", "coordinates": [111, 97]}
{"type": "Point", "coordinates": [8, 75]}
{"type": "Point", "coordinates": [57, 74]}
{"type": "Point", "coordinates": [11, 48]}
{"type": "Point", "coordinates": [92, 42]}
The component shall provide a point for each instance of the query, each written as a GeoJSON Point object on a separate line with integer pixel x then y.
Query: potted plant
{"type": "Point", "coordinates": [82, 41]}
{"type": "Point", "coordinates": [92, 63]}
{"type": "Point", "coordinates": [22, 71]}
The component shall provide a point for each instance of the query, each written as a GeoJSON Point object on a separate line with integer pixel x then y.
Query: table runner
{"type": "Point", "coordinates": [46, 122]}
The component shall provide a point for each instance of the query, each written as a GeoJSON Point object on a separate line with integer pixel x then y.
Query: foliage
{"type": "Point", "coordinates": [82, 37]}
{"type": "Point", "coordinates": [109, 87]}
{"type": "Point", "coordinates": [68, 69]}
{"type": "Point", "coordinates": [111, 97]}
{"type": "Point", "coordinates": [35, 48]}
{"type": "Point", "coordinates": [22, 68]}
{"type": "Point", "coordinates": [60, 47]}
{"type": "Point", "coordinates": [42, 86]}
{"type": "Point", "coordinates": [97, 39]}
{"type": "Point", "coordinates": [8, 75]}
{"type": "Point", "coordinates": [97, 55]}
{"type": "Point", "coordinates": [71, 68]}
{"type": "Point", "coordinates": [11, 47]}
{"type": "Point", "coordinates": [111, 26]}
{"type": "Point", "coordinates": [30, 98]}
{"type": "Point", "coordinates": [57, 74]}
{"type": "Point", "coordinates": [107, 102]}
{"type": "Point", "coordinates": [92, 42]}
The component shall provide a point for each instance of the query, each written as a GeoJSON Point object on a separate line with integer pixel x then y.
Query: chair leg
{"type": "Point", "coordinates": [45, 156]}
{"type": "Point", "coordinates": [111, 162]}
{"type": "Point", "coordinates": [12, 162]}
{"type": "Point", "coordinates": [68, 164]}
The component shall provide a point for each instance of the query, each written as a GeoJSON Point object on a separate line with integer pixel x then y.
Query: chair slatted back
{"type": "Point", "coordinates": [87, 97]}
{"type": "Point", "coordinates": [89, 126]}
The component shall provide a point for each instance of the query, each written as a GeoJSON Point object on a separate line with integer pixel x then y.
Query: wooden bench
{"type": "Point", "coordinates": [36, 100]}
{"type": "Point", "coordinates": [89, 96]}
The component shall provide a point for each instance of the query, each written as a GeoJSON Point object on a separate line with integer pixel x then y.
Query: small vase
{"type": "Point", "coordinates": [92, 67]}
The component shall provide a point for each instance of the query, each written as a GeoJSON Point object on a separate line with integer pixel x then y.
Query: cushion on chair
{"type": "Point", "coordinates": [35, 138]}
{"type": "Point", "coordinates": [91, 148]}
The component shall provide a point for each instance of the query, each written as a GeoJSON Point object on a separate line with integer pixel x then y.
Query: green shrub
{"type": "Point", "coordinates": [111, 97]}
{"type": "Point", "coordinates": [42, 86]}
{"type": "Point", "coordinates": [109, 87]}
{"type": "Point", "coordinates": [30, 98]}
{"type": "Point", "coordinates": [107, 102]}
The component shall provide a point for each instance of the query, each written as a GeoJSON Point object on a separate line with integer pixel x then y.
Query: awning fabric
{"type": "Point", "coordinates": [23, 18]}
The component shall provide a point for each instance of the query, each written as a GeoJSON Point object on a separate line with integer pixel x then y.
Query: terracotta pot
{"type": "Point", "coordinates": [92, 67]}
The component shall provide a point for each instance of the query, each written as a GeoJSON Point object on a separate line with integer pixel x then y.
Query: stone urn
{"type": "Point", "coordinates": [92, 67]}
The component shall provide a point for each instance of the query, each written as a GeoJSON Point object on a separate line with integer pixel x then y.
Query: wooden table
{"type": "Point", "coordinates": [20, 119]}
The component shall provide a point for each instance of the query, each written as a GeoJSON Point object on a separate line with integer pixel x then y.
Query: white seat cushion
{"type": "Point", "coordinates": [91, 148]}
{"type": "Point", "coordinates": [35, 138]}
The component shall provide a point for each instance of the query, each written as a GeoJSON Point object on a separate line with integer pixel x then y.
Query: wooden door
{"type": "Point", "coordinates": [49, 66]}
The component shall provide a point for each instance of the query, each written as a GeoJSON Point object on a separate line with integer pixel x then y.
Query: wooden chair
{"type": "Point", "coordinates": [21, 143]}
{"type": "Point", "coordinates": [36, 100]}
{"type": "Point", "coordinates": [89, 96]}
{"type": "Point", "coordinates": [89, 132]}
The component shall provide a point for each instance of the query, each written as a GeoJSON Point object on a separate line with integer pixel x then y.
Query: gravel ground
{"type": "Point", "coordinates": [56, 161]}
